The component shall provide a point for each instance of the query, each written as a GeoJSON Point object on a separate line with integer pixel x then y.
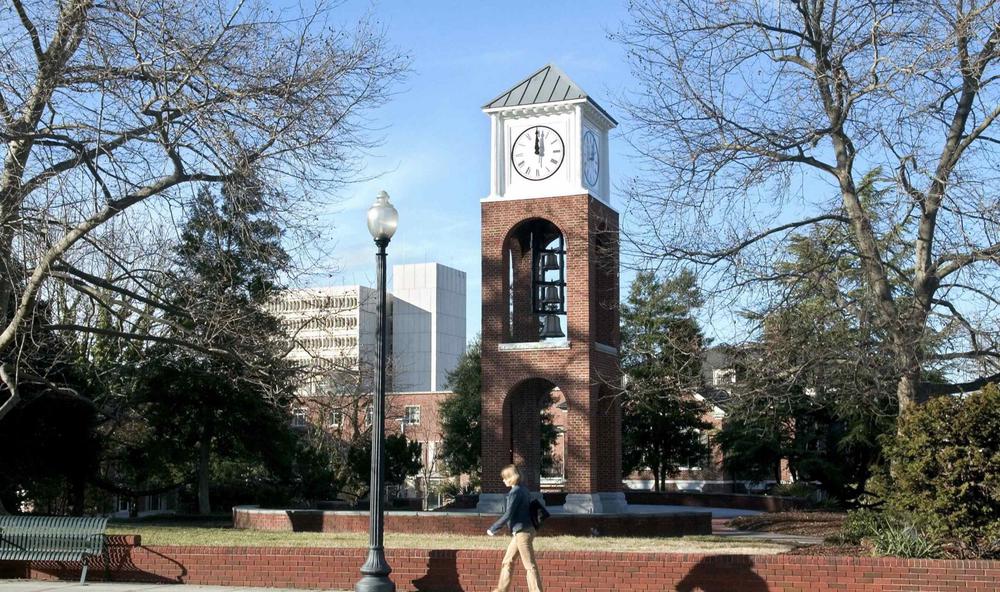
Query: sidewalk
{"type": "Point", "coordinates": [721, 529]}
{"type": "Point", "coordinates": [33, 586]}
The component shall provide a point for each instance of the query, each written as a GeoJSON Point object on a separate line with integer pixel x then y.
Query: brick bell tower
{"type": "Point", "coordinates": [550, 292]}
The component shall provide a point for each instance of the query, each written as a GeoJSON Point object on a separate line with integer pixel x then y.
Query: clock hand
{"type": "Point", "coordinates": [536, 141]}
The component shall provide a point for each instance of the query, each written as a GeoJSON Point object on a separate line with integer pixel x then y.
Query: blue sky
{"type": "Point", "coordinates": [434, 160]}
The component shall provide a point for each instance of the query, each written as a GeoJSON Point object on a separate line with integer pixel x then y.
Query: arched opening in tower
{"type": "Point", "coordinates": [535, 412]}
{"type": "Point", "coordinates": [535, 253]}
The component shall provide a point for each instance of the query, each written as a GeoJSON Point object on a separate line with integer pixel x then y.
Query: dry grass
{"type": "Point", "coordinates": [205, 535]}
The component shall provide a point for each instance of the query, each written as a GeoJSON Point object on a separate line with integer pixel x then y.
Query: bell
{"type": "Point", "coordinates": [551, 295]}
{"type": "Point", "coordinates": [550, 262]}
{"type": "Point", "coordinates": [551, 328]}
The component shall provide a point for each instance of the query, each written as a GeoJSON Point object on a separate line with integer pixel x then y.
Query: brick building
{"type": "Point", "coordinates": [721, 385]}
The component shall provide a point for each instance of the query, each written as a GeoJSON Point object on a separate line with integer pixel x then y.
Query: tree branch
{"type": "Point", "coordinates": [934, 388]}
{"type": "Point", "coordinates": [29, 26]}
{"type": "Point", "coordinates": [716, 256]}
{"type": "Point", "coordinates": [949, 264]}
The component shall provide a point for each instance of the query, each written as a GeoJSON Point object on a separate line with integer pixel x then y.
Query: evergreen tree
{"type": "Point", "coordinates": [661, 359]}
{"type": "Point", "coordinates": [231, 399]}
{"type": "Point", "coordinates": [818, 387]}
{"type": "Point", "coordinates": [461, 444]}
{"type": "Point", "coordinates": [402, 459]}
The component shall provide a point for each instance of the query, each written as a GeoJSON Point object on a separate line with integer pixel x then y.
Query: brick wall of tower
{"type": "Point", "coordinates": [593, 446]}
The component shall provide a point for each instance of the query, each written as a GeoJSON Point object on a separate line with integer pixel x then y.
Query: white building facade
{"type": "Point", "coordinates": [428, 325]}
{"type": "Point", "coordinates": [333, 329]}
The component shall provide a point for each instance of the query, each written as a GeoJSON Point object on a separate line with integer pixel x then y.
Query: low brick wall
{"type": "Point", "coordinates": [740, 501]}
{"type": "Point", "coordinates": [761, 503]}
{"type": "Point", "coordinates": [656, 525]}
{"type": "Point", "coordinates": [562, 571]}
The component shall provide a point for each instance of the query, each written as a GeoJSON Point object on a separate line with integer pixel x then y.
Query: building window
{"type": "Point", "coordinates": [299, 417]}
{"type": "Point", "coordinates": [701, 461]}
{"type": "Point", "coordinates": [411, 415]}
{"type": "Point", "coordinates": [368, 415]}
{"type": "Point", "coordinates": [721, 376]}
{"type": "Point", "coordinates": [336, 418]}
{"type": "Point", "coordinates": [431, 454]}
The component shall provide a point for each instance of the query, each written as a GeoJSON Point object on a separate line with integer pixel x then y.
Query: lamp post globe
{"type": "Point", "coordinates": [382, 222]}
{"type": "Point", "coordinates": [382, 218]}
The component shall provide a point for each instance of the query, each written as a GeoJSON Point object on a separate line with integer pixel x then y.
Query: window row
{"type": "Point", "coordinates": [329, 322]}
{"type": "Point", "coordinates": [338, 363]}
{"type": "Point", "coordinates": [321, 302]}
{"type": "Point", "coordinates": [325, 342]}
{"type": "Point", "coordinates": [335, 418]}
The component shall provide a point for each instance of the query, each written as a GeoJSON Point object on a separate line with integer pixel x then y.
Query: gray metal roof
{"type": "Point", "coordinates": [548, 85]}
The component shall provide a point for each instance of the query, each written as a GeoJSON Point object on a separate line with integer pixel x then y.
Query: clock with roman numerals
{"type": "Point", "coordinates": [537, 153]}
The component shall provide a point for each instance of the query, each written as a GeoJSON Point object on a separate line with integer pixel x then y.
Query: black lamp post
{"type": "Point", "coordinates": [382, 221]}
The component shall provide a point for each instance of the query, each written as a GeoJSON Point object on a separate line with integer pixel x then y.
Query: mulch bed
{"type": "Point", "coordinates": [832, 550]}
{"type": "Point", "coordinates": [823, 524]}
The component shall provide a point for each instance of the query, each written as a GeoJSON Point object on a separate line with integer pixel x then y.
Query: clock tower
{"type": "Point", "coordinates": [550, 292]}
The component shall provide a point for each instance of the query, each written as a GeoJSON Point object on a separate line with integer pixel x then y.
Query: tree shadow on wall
{"type": "Point", "coordinates": [723, 573]}
{"type": "Point", "coordinates": [305, 520]}
{"type": "Point", "coordinates": [442, 573]}
{"type": "Point", "coordinates": [117, 563]}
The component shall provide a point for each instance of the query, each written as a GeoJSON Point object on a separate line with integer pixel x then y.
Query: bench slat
{"type": "Point", "coordinates": [51, 538]}
{"type": "Point", "coordinates": [39, 555]}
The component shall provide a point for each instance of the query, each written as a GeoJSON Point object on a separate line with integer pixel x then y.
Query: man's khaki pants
{"type": "Point", "coordinates": [520, 544]}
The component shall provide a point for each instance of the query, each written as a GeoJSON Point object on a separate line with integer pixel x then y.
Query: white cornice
{"type": "Point", "coordinates": [593, 113]}
{"type": "Point", "coordinates": [536, 109]}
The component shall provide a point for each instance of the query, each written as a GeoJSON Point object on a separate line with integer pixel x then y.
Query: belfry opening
{"type": "Point", "coordinates": [535, 254]}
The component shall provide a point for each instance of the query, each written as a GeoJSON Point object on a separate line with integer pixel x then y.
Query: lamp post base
{"type": "Point", "coordinates": [375, 573]}
{"type": "Point", "coordinates": [373, 583]}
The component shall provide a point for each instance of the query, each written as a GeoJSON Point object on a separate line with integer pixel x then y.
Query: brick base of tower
{"type": "Point", "coordinates": [518, 370]}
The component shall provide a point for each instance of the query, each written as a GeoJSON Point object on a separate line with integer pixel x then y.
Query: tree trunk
{"type": "Point", "coordinates": [907, 389]}
{"type": "Point", "coordinates": [78, 490]}
{"type": "Point", "coordinates": [204, 464]}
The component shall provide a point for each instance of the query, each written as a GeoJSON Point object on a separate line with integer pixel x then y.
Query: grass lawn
{"type": "Point", "coordinates": [223, 535]}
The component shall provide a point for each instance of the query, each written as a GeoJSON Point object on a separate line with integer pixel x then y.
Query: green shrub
{"type": "Point", "coordinates": [897, 539]}
{"type": "Point", "coordinates": [797, 489]}
{"type": "Point", "coordinates": [946, 470]}
{"type": "Point", "coordinates": [862, 524]}
{"type": "Point", "coordinates": [888, 534]}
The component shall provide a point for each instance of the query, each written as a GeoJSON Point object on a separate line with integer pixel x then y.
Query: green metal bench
{"type": "Point", "coordinates": [51, 538]}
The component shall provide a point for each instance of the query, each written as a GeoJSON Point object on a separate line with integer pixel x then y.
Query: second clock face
{"type": "Point", "coordinates": [537, 153]}
{"type": "Point", "coordinates": [591, 159]}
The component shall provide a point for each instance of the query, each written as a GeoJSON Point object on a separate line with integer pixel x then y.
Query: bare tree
{"type": "Point", "coordinates": [110, 111]}
{"type": "Point", "coordinates": [758, 120]}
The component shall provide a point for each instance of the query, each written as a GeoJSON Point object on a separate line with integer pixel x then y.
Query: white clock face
{"type": "Point", "coordinates": [537, 153]}
{"type": "Point", "coordinates": [591, 159]}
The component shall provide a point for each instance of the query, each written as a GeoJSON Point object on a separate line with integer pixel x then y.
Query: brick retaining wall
{"type": "Point", "coordinates": [666, 524]}
{"type": "Point", "coordinates": [562, 571]}
{"type": "Point", "coordinates": [742, 501]}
